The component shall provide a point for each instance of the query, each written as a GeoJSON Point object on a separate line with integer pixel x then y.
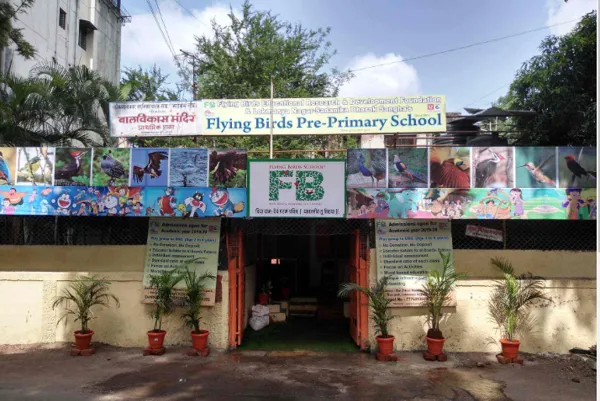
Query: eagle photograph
{"type": "Point", "coordinates": [227, 168]}
{"type": "Point", "coordinates": [110, 167]}
{"type": "Point", "coordinates": [149, 167]}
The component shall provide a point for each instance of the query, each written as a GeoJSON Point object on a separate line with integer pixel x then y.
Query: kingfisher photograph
{"type": "Point", "coordinates": [111, 166]}
{"type": "Point", "coordinates": [366, 168]}
{"type": "Point", "coordinates": [8, 164]}
{"type": "Point", "coordinates": [577, 167]}
{"type": "Point", "coordinates": [407, 168]}
{"type": "Point", "coordinates": [535, 167]}
{"type": "Point", "coordinates": [73, 167]}
{"type": "Point", "coordinates": [35, 166]}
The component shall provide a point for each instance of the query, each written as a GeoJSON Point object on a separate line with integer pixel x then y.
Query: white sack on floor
{"type": "Point", "coordinates": [258, 322]}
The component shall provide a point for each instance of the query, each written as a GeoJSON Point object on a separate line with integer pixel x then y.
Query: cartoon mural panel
{"type": "Point", "coordinates": [73, 167]}
{"type": "Point", "coordinates": [407, 168]}
{"type": "Point", "coordinates": [8, 165]}
{"type": "Point", "coordinates": [188, 167]}
{"type": "Point", "coordinates": [35, 166]}
{"type": "Point", "coordinates": [195, 202]}
{"type": "Point", "coordinates": [366, 168]}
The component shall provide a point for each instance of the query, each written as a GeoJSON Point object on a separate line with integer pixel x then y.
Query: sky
{"type": "Point", "coordinates": [368, 33]}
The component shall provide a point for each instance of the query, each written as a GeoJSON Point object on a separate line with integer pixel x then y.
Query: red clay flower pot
{"type": "Point", "coordinates": [83, 341]}
{"type": "Point", "coordinates": [200, 340]}
{"type": "Point", "coordinates": [156, 339]}
{"type": "Point", "coordinates": [510, 349]}
{"type": "Point", "coordinates": [435, 346]}
{"type": "Point", "coordinates": [385, 344]}
{"type": "Point", "coordinates": [263, 299]}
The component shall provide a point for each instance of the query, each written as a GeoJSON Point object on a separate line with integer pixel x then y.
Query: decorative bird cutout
{"type": "Point", "coordinates": [577, 170]}
{"type": "Point", "coordinates": [537, 172]}
{"type": "Point", "coordinates": [451, 173]}
{"type": "Point", "coordinates": [376, 170]}
{"type": "Point", "coordinates": [4, 170]}
{"type": "Point", "coordinates": [401, 168]}
{"type": "Point", "coordinates": [71, 169]}
{"type": "Point", "coordinates": [152, 168]}
{"type": "Point", "coordinates": [112, 167]}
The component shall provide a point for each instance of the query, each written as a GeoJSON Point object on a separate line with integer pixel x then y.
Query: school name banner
{"type": "Point", "coordinates": [407, 250]}
{"type": "Point", "coordinates": [296, 188]}
{"type": "Point", "coordinates": [172, 243]}
{"type": "Point", "coordinates": [154, 119]}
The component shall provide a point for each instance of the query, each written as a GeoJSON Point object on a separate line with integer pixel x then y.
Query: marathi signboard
{"type": "Point", "coordinates": [406, 251]}
{"type": "Point", "coordinates": [153, 119]}
{"type": "Point", "coordinates": [296, 188]}
{"type": "Point", "coordinates": [324, 116]}
{"type": "Point", "coordinates": [484, 233]}
{"type": "Point", "coordinates": [173, 243]}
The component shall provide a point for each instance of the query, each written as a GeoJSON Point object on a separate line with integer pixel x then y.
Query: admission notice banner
{"type": "Point", "coordinates": [324, 116]}
{"type": "Point", "coordinates": [297, 188]}
{"type": "Point", "coordinates": [152, 119]}
{"type": "Point", "coordinates": [173, 242]}
{"type": "Point", "coordinates": [406, 251]}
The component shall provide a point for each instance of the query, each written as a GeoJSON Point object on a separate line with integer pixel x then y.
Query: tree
{"type": "Point", "coordinates": [8, 33]}
{"type": "Point", "coordinates": [148, 84]}
{"type": "Point", "coordinates": [559, 84]}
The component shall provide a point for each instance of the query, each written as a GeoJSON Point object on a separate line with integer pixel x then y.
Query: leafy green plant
{"type": "Point", "coordinates": [437, 292]}
{"type": "Point", "coordinates": [512, 297]}
{"type": "Point", "coordinates": [194, 293]}
{"type": "Point", "coordinates": [162, 284]}
{"type": "Point", "coordinates": [79, 297]}
{"type": "Point", "coordinates": [267, 288]}
{"type": "Point", "coordinates": [378, 301]}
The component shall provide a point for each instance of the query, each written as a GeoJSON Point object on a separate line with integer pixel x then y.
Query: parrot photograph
{"type": "Point", "coordinates": [149, 167]}
{"type": "Point", "coordinates": [35, 166]}
{"type": "Point", "coordinates": [577, 167]}
{"type": "Point", "coordinates": [407, 168]}
{"type": "Point", "coordinates": [493, 167]}
{"type": "Point", "coordinates": [111, 166]}
{"type": "Point", "coordinates": [536, 167]}
{"type": "Point", "coordinates": [366, 168]}
{"type": "Point", "coordinates": [73, 167]}
{"type": "Point", "coordinates": [450, 167]}
{"type": "Point", "coordinates": [8, 163]}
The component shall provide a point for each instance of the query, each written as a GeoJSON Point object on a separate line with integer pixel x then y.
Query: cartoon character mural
{"type": "Point", "coordinates": [167, 203]}
{"type": "Point", "coordinates": [196, 204]}
{"type": "Point", "coordinates": [219, 197]}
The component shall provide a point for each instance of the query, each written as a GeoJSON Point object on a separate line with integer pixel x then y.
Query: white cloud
{"type": "Point", "coordinates": [394, 79]}
{"type": "Point", "coordinates": [143, 44]}
{"type": "Point", "coordinates": [561, 11]}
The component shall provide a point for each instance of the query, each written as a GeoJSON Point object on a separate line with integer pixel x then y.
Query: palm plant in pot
{"type": "Point", "coordinates": [510, 302]}
{"type": "Point", "coordinates": [78, 299]}
{"type": "Point", "coordinates": [379, 303]}
{"type": "Point", "coordinates": [437, 292]}
{"type": "Point", "coordinates": [162, 286]}
{"type": "Point", "coordinates": [194, 294]}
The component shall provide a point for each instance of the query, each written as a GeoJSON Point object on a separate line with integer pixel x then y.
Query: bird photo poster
{"type": "Point", "coordinates": [366, 168]}
{"type": "Point", "coordinates": [188, 167]}
{"type": "Point", "coordinates": [8, 165]}
{"type": "Point", "coordinates": [535, 167]}
{"type": "Point", "coordinates": [493, 167]}
{"type": "Point", "coordinates": [35, 166]}
{"type": "Point", "coordinates": [149, 167]}
{"type": "Point", "coordinates": [111, 166]}
{"type": "Point", "coordinates": [450, 167]}
{"type": "Point", "coordinates": [227, 168]}
{"type": "Point", "coordinates": [407, 168]}
{"type": "Point", "coordinates": [577, 167]}
{"type": "Point", "coordinates": [73, 167]}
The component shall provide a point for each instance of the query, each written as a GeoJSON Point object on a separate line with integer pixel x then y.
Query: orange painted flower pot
{"type": "Point", "coordinates": [263, 299]}
{"type": "Point", "coordinates": [385, 344]}
{"type": "Point", "coordinates": [156, 339]}
{"type": "Point", "coordinates": [200, 340]}
{"type": "Point", "coordinates": [510, 349]}
{"type": "Point", "coordinates": [435, 346]}
{"type": "Point", "coordinates": [83, 341]}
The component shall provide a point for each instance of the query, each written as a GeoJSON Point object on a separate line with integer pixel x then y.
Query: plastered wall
{"type": "Point", "coordinates": [570, 321]}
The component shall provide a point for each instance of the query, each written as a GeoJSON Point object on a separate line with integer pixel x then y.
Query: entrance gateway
{"type": "Point", "coordinates": [305, 260]}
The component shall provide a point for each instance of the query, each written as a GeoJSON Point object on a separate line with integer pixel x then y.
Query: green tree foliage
{"type": "Point", "coordinates": [148, 84]}
{"type": "Point", "coordinates": [9, 34]}
{"type": "Point", "coordinates": [560, 84]}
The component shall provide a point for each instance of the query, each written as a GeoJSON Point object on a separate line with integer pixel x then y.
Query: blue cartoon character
{"type": "Point", "coordinates": [167, 203]}
{"type": "Point", "coordinates": [225, 207]}
{"type": "Point", "coordinates": [401, 204]}
{"type": "Point", "coordinates": [111, 203]}
{"type": "Point", "coordinates": [63, 204]}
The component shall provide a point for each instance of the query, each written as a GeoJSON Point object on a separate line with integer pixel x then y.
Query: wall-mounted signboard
{"type": "Point", "coordinates": [154, 119]}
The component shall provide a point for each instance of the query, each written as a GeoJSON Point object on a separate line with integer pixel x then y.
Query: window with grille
{"type": "Point", "coordinates": [395, 140]}
{"type": "Point", "coordinates": [62, 19]}
{"type": "Point", "coordinates": [82, 40]}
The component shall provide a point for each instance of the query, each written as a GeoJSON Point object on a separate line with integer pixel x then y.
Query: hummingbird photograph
{"type": "Point", "coordinates": [577, 167]}
{"type": "Point", "coordinates": [536, 167]}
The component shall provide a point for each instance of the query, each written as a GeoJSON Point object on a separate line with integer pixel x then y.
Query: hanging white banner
{"type": "Point", "coordinates": [152, 119]}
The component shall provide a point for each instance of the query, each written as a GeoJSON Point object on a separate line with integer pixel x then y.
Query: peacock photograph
{"type": "Point", "coordinates": [366, 168]}
{"type": "Point", "coordinates": [407, 168]}
{"type": "Point", "coordinates": [227, 168]}
{"type": "Point", "coordinates": [111, 167]}
{"type": "Point", "coordinates": [35, 166]}
{"type": "Point", "coordinates": [73, 167]}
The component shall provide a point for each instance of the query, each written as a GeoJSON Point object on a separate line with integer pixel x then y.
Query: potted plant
{"type": "Point", "coordinates": [510, 302]}
{"type": "Point", "coordinates": [265, 293]}
{"type": "Point", "coordinates": [379, 303]}
{"type": "Point", "coordinates": [78, 299]}
{"type": "Point", "coordinates": [162, 285]}
{"type": "Point", "coordinates": [437, 293]}
{"type": "Point", "coordinates": [194, 294]}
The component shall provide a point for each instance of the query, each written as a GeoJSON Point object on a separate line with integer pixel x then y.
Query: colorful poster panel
{"type": "Point", "coordinates": [493, 167]}
{"type": "Point", "coordinates": [450, 167]}
{"type": "Point", "coordinates": [35, 166]}
{"type": "Point", "coordinates": [149, 167]}
{"type": "Point", "coordinates": [188, 167]}
{"type": "Point", "coordinates": [73, 167]}
{"type": "Point", "coordinates": [111, 166]}
{"type": "Point", "coordinates": [536, 167]}
{"type": "Point", "coordinates": [366, 168]}
{"type": "Point", "coordinates": [196, 202]}
{"type": "Point", "coordinates": [580, 204]}
{"type": "Point", "coordinates": [407, 168]}
{"type": "Point", "coordinates": [227, 168]}
{"type": "Point", "coordinates": [8, 165]}
{"type": "Point", "coordinates": [577, 167]}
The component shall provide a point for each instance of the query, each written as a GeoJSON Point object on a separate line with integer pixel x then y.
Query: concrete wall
{"type": "Point", "coordinates": [250, 295]}
{"type": "Point", "coordinates": [31, 276]}
{"type": "Point", "coordinates": [570, 279]}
